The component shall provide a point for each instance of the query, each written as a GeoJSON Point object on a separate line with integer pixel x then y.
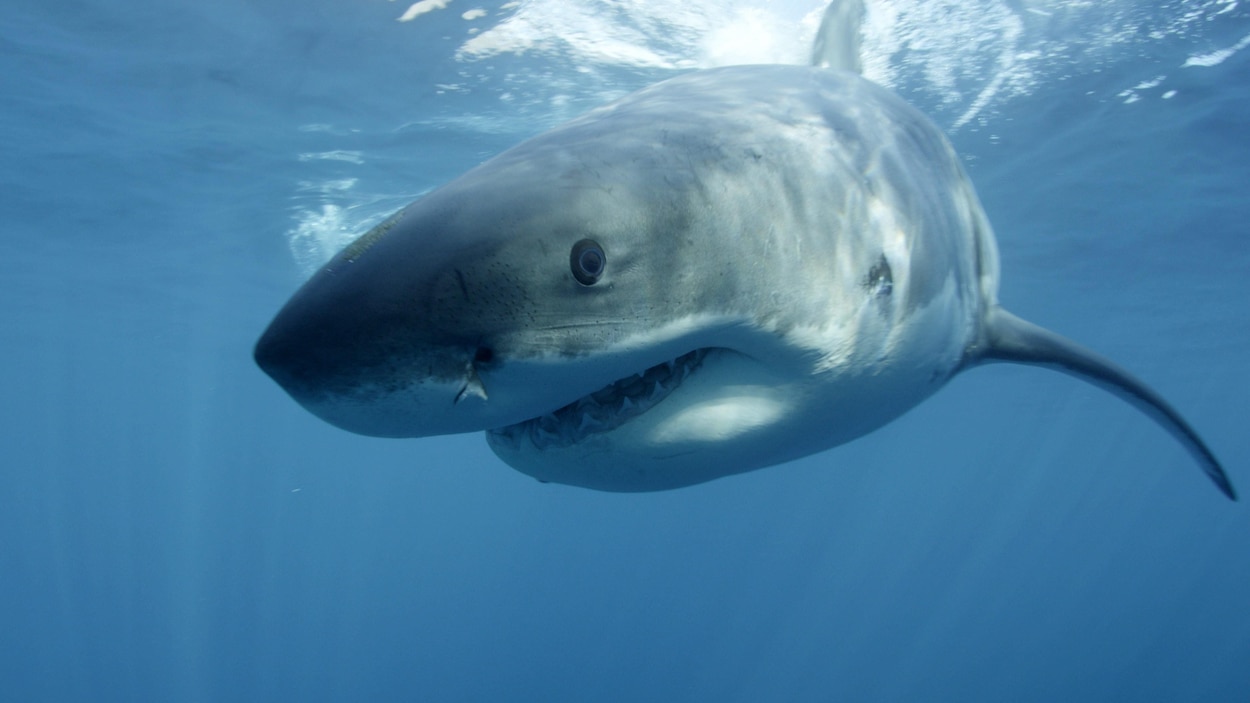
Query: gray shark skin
{"type": "Point", "coordinates": [724, 271]}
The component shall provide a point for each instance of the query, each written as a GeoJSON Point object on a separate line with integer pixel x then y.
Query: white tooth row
{"type": "Point", "coordinates": [611, 406]}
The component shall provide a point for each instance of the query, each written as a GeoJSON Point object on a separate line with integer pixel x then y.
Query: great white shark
{"type": "Point", "coordinates": [724, 271]}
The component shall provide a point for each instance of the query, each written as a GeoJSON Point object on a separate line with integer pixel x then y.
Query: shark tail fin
{"type": "Point", "coordinates": [1007, 338]}
{"type": "Point", "coordinates": [837, 44]}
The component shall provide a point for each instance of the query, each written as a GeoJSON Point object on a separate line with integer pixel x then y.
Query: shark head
{"type": "Point", "coordinates": [574, 339]}
{"type": "Point", "coordinates": [483, 305]}
{"type": "Point", "coordinates": [625, 302]}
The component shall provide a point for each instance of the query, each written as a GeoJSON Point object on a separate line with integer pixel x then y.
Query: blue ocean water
{"type": "Point", "coordinates": [174, 528]}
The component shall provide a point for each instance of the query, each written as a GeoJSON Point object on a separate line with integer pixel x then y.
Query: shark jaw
{"type": "Point", "coordinates": [685, 421]}
{"type": "Point", "coordinates": [605, 409]}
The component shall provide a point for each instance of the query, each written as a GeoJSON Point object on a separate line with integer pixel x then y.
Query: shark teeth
{"type": "Point", "coordinates": [607, 408]}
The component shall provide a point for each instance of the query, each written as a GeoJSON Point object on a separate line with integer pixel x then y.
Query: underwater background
{"type": "Point", "coordinates": [174, 528]}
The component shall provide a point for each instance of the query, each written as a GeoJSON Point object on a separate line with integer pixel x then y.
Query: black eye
{"type": "Point", "coordinates": [587, 261]}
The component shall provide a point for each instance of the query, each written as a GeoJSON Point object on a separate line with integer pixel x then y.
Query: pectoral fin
{"type": "Point", "coordinates": [1007, 338]}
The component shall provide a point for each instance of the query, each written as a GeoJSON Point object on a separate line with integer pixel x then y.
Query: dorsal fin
{"type": "Point", "coordinates": [837, 42]}
{"type": "Point", "coordinates": [1006, 337]}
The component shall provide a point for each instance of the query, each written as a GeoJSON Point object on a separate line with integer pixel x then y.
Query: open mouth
{"type": "Point", "coordinates": [607, 408]}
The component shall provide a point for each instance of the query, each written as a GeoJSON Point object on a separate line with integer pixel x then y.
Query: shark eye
{"type": "Point", "coordinates": [587, 261]}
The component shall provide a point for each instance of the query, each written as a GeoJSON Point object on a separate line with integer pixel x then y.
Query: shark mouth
{"type": "Point", "coordinates": [607, 408]}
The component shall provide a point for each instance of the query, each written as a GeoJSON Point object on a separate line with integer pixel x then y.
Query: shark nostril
{"type": "Point", "coordinates": [483, 355]}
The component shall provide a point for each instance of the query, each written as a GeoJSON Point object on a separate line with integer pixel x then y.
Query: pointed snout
{"type": "Point", "coordinates": [356, 370]}
{"type": "Point", "coordinates": [378, 351]}
{"type": "Point", "coordinates": [298, 354]}
{"type": "Point", "coordinates": [322, 344]}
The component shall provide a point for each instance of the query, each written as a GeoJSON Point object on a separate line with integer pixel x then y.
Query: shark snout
{"type": "Point", "coordinates": [369, 387]}
{"type": "Point", "coordinates": [311, 356]}
{"type": "Point", "coordinates": [376, 365]}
